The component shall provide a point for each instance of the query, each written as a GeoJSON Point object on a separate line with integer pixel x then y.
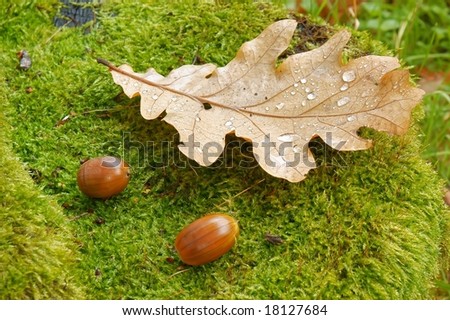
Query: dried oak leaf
{"type": "Point", "coordinates": [280, 109]}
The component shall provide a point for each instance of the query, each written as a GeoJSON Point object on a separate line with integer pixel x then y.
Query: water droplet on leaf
{"type": "Point", "coordinates": [349, 76]}
{"type": "Point", "coordinates": [280, 106]}
{"type": "Point", "coordinates": [287, 137]}
{"type": "Point", "coordinates": [311, 96]}
{"type": "Point", "coordinates": [343, 101]}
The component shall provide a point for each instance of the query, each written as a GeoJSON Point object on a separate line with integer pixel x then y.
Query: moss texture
{"type": "Point", "coordinates": [37, 256]}
{"type": "Point", "coordinates": [364, 225]}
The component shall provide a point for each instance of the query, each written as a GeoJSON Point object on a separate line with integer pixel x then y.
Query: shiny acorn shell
{"type": "Point", "coordinates": [206, 239]}
{"type": "Point", "coordinates": [103, 177]}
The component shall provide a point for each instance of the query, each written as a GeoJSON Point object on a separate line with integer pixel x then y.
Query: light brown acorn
{"type": "Point", "coordinates": [207, 239]}
{"type": "Point", "coordinates": [103, 177]}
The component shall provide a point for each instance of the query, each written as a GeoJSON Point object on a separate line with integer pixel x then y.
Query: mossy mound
{"type": "Point", "coordinates": [364, 225]}
{"type": "Point", "coordinates": [37, 251]}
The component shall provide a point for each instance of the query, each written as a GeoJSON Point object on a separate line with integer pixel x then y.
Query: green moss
{"type": "Point", "coordinates": [367, 224]}
{"type": "Point", "coordinates": [37, 253]}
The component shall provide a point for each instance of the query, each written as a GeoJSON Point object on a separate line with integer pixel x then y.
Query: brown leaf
{"type": "Point", "coordinates": [278, 108]}
{"type": "Point", "coordinates": [273, 239]}
{"type": "Point", "coordinates": [447, 197]}
{"type": "Point", "coordinates": [431, 81]}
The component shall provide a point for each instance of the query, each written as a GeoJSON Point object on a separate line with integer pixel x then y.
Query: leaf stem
{"type": "Point", "coordinates": [154, 84]}
{"type": "Point", "coordinates": [201, 100]}
{"type": "Point", "coordinates": [106, 63]}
